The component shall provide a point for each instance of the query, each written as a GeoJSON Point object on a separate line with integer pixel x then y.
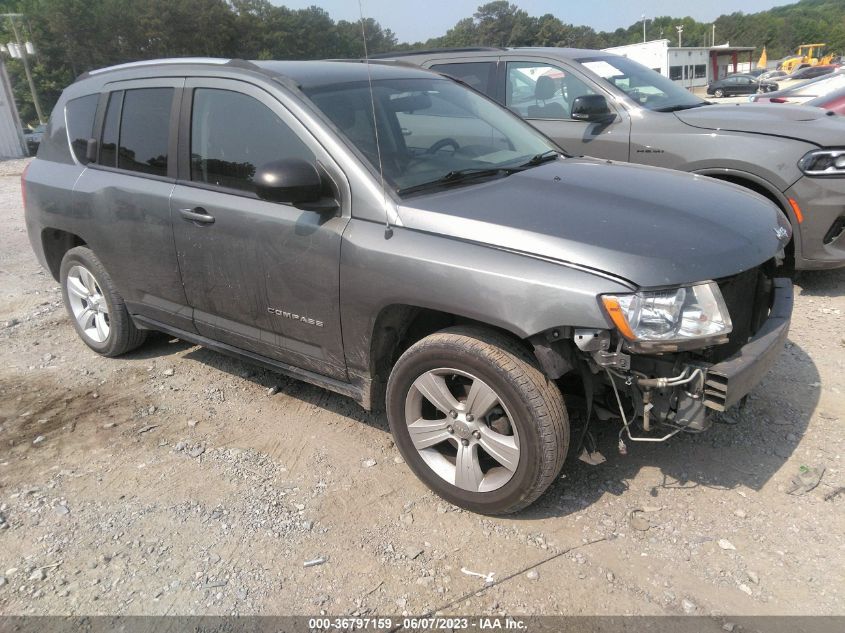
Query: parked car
{"type": "Point", "coordinates": [832, 102]}
{"type": "Point", "coordinates": [739, 85]}
{"type": "Point", "coordinates": [772, 75]}
{"type": "Point", "coordinates": [810, 72]}
{"type": "Point", "coordinates": [804, 91]}
{"type": "Point", "coordinates": [803, 74]}
{"type": "Point", "coordinates": [454, 267]}
{"type": "Point", "coordinates": [608, 106]}
{"type": "Point", "coordinates": [33, 137]}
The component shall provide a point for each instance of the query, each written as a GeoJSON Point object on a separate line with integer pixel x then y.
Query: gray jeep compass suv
{"type": "Point", "coordinates": [389, 234]}
{"type": "Point", "coordinates": [604, 105]}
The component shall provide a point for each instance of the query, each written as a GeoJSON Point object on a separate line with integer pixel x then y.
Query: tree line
{"type": "Point", "coordinates": [72, 36]}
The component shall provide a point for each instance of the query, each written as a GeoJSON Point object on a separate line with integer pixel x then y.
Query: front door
{"type": "Point", "coordinates": [542, 93]}
{"type": "Point", "coordinates": [261, 276]}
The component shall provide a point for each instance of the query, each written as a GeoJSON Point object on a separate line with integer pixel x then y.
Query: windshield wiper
{"type": "Point", "coordinates": [687, 106]}
{"type": "Point", "coordinates": [545, 157]}
{"type": "Point", "coordinates": [459, 176]}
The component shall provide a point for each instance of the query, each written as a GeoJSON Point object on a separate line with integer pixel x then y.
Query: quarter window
{"type": "Point", "coordinates": [80, 124]}
{"type": "Point", "coordinates": [233, 134]}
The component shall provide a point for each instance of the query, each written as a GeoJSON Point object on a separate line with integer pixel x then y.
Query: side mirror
{"type": "Point", "coordinates": [591, 108]}
{"type": "Point", "coordinates": [293, 181]}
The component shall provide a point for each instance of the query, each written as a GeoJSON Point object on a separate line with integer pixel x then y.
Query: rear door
{"type": "Point", "coordinates": [542, 92]}
{"type": "Point", "coordinates": [125, 194]}
{"type": "Point", "coordinates": [261, 276]}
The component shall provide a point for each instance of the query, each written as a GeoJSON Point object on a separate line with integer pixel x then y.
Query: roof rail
{"type": "Point", "coordinates": [430, 51]}
{"type": "Point", "coordinates": [216, 61]}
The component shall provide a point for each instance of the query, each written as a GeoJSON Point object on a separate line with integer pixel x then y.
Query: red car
{"type": "Point", "coordinates": [834, 102]}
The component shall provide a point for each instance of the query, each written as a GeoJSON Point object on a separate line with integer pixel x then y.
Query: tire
{"type": "Point", "coordinates": [95, 307]}
{"type": "Point", "coordinates": [523, 420]}
{"type": "Point", "coordinates": [719, 93]}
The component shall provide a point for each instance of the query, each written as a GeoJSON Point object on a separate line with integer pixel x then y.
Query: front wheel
{"type": "Point", "coordinates": [476, 419]}
{"type": "Point", "coordinates": [95, 307]}
{"type": "Point", "coordinates": [719, 93]}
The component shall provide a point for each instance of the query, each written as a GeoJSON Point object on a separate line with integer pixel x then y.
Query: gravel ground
{"type": "Point", "coordinates": [172, 481]}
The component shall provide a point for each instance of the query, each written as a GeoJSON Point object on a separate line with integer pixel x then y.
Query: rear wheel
{"type": "Point", "coordinates": [96, 308]}
{"type": "Point", "coordinates": [476, 420]}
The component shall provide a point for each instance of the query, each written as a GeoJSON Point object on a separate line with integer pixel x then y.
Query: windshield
{"type": "Point", "coordinates": [647, 88]}
{"type": "Point", "coordinates": [428, 129]}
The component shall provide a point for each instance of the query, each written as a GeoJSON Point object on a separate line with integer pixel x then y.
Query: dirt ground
{"type": "Point", "coordinates": [171, 481]}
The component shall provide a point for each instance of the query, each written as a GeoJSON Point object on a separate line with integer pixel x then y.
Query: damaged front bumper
{"type": "Point", "coordinates": [701, 388]}
{"type": "Point", "coordinates": [728, 382]}
{"type": "Point", "coordinates": [681, 390]}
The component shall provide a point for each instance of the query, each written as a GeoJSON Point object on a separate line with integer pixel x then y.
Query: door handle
{"type": "Point", "coordinates": [197, 214]}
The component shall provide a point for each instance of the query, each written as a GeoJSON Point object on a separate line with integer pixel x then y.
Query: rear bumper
{"type": "Point", "coordinates": [731, 380]}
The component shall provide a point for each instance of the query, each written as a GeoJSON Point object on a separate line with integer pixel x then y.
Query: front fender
{"type": "Point", "coordinates": [521, 294]}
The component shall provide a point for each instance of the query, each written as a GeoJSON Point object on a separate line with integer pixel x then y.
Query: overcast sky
{"type": "Point", "coordinates": [415, 20]}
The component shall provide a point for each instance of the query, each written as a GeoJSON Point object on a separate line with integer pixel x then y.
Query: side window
{"type": "Point", "coordinates": [538, 91]}
{"type": "Point", "coordinates": [233, 134]}
{"type": "Point", "coordinates": [479, 75]}
{"type": "Point", "coordinates": [145, 130]}
{"type": "Point", "coordinates": [80, 115]}
{"type": "Point", "coordinates": [111, 128]}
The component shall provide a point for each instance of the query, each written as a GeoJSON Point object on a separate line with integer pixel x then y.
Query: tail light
{"type": "Point", "coordinates": [23, 184]}
{"type": "Point", "coordinates": [778, 100]}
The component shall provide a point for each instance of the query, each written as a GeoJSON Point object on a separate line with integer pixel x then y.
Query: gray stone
{"type": "Point", "coordinates": [196, 451]}
{"type": "Point", "coordinates": [369, 463]}
{"type": "Point", "coordinates": [533, 575]}
{"type": "Point", "coordinates": [413, 551]}
{"type": "Point", "coordinates": [38, 574]}
{"type": "Point", "coordinates": [688, 606]}
{"type": "Point", "coordinates": [62, 509]}
{"type": "Point", "coordinates": [38, 440]}
{"type": "Point", "coordinates": [169, 372]}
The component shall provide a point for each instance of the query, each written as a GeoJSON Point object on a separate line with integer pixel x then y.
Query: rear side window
{"type": "Point", "coordinates": [80, 115]}
{"type": "Point", "coordinates": [145, 130]}
{"type": "Point", "coordinates": [136, 130]}
{"type": "Point", "coordinates": [479, 75]}
{"type": "Point", "coordinates": [233, 134]}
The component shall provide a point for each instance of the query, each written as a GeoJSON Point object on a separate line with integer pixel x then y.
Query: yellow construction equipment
{"type": "Point", "coordinates": [806, 54]}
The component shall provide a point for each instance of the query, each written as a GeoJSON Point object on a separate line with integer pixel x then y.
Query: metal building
{"type": "Point", "coordinates": [12, 143]}
{"type": "Point", "coordinates": [690, 66]}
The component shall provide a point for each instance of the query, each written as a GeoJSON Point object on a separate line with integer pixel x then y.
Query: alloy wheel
{"type": "Point", "coordinates": [88, 304]}
{"type": "Point", "coordinates": [462, 430]}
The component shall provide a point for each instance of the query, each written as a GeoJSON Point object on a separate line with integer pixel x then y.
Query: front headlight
{"type": "Point", "coordinates": [823, 162]}
{"type": "Point", "coordinates": [670, 316]}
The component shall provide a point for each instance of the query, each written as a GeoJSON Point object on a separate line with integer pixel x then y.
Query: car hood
{"type": "Point", "coordinates": [791, 121]}
{"type": "Point", "coordinates": [651, 226]}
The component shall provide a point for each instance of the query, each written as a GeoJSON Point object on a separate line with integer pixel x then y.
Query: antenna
{"type": "Point", "coordinates": [388, 231]}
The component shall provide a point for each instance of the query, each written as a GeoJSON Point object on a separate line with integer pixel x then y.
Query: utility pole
{"type": "Point", "coordinates": [714, 34]}
{"type": "Point", "coordinates": [680, 30]}
{"type": "Point", "coordinates": [23, 53]}
{"type": "Point", "coordinates": [644, 21]}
